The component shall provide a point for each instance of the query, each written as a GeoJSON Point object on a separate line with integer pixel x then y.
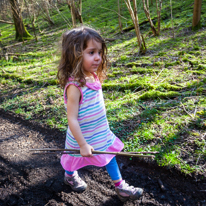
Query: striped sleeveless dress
{"type": "Point", "coordinates": [94, 126]}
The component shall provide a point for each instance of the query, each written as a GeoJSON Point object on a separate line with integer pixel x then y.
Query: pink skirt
{"type": "Point", "coordinates": [71, 163]}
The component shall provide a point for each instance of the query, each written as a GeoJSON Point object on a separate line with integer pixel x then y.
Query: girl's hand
{"type": "Point", "coordinates": [86, 150]}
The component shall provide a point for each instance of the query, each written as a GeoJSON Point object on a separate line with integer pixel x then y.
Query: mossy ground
{"type": "Point", "coordinates": [154, 101]}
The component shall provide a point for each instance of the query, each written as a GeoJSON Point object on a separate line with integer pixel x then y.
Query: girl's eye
{"type": "Point", "coordinates": [100, 52]}
{"type": "Point", "coordinates": [91, 52]}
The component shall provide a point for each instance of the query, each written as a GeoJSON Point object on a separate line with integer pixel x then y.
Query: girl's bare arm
{"type": "Point", "coordinates": [73, 98]}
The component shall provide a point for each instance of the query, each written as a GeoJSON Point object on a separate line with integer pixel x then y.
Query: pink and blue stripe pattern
{"type": "Point", "coordinates": [92, 119]}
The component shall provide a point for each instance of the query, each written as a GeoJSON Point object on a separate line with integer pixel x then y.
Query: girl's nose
{"type": "Point", "coordinates": [97, 56]}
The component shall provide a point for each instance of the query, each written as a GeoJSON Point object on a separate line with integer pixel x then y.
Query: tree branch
{"type": "Point", "coordinates": [6, 22]}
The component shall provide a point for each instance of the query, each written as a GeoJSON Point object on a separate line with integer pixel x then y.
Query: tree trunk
{"type": "Point", "coordinates": [196, 24]}
{"type": "Point", "coordinates": [134, 17]}
{"type": "Point", "coordinates": [21, 32]}
{"type": "Point", "coordinates": [46, 9]}
{"type": "Point", "coordinates": [119, 18]}
{"type": "Point", "coordinates": [72, 9]}
{"type": "Point", "coordinates": [172, 19]}
{"type": "Point", "coordinates": [146, 10]}
{"type": "Point", "coordinates": [159, 7]}
{"type": "Point", "coordinates": [76, 11]}
{"type": "Point", "coordinates": [32, 19]}
{"type": "Point", "coordinates": [80, 12]}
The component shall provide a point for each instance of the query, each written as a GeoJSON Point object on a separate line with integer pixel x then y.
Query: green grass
{"type": "Point", "coordinates": [154, 102]}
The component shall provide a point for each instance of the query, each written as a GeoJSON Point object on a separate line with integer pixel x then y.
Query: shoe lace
{"type": "Point", "coordinates": [127, 187]}
{"type": "Point", "coordinates": [77, 178]}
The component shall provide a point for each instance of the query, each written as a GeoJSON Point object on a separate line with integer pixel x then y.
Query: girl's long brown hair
{"type": "Point", "coordinates": [74, 42]}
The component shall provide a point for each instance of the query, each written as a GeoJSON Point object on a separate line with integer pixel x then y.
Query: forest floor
{"type": "Point", "coordinates": [27, 179]}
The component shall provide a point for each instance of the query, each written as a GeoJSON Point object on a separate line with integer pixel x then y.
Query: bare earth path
{"type": "Point", "coordinates": [27, 179]}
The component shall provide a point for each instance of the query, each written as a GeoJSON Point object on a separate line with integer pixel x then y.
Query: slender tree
{"type": "Point", "coordinates": [46, 9]}
{"type": "Point", "coordinates": [196, 24]}
{"type": "Point", "coordinates": [134, 17]}
{"type": "Point", "coordinates": [21, 31]}
{"type": "Point", "coordinates": [147, 13]}
{"type": "Point", "coordinates": [119, 16]}
{"type": "Point", "coordinates": [172, 19]}
{"type": "Point", "coordinates": [75, 7]}
{"type": "Point", "coordinates": [32, 17]}
{"type": "Point", "coordinates": [159, 7]}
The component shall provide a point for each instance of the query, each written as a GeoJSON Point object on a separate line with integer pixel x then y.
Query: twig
{"type": "Point", "coordinates": [195, 111]}
{"type": "Point", "coordinates": [114, 11]}
{"type": "Point", "coordinates": [186, 111]}
{"type": "Point", "coordinates": [14, 44]}
{"type": "Point", "coordinates": [2, 70]}
{"type": "Point", "coordinates": [159, 74]}
{"type": "Point", "coordinates": [142, 107]}
{"type": "Point", "coordinates": [136, 89]}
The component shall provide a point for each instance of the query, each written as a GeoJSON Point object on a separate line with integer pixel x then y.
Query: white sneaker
{"type": "Point", "coordinates": [75, 182]}
{"type": "Point", "coordinates": [126, 192]}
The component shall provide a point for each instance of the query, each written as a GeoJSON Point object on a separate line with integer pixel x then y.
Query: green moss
{"type": "Point", "coordinates": [169, 87]}
{"type": "Point", "coordinates": [195, 52]}
{"type": "Point", "coordinates": [200, 90]}
{"type": "Point", "coordinates": [172, 63]}
{"type": "Point", "coordinates": [161, 53]}
{"type": "Point", "coordinates": [202, 67]}
{"type": "Point", "coordinates": [110, 75]}
{"type": "Point", "coordinates": [141, 70]}
{"type": "Point", "coordinates": [123, 58]}
{"type": "Point", "coordinates": [158, 63]}
{"type": "Point", "coordinates": [123, 87]}
{"type": "Point", "coordinates": [197, 72]}
{"type": "Point", "coordinates": [117, 72]}
{"type": "Point", "coordinates": [157, 94]}
{"type": "Point", "coordinates": [139, 63]}
{"type": "Point", "coordinates": [197, 27]}
{"type": "Point", "coordinates": [180, 53]}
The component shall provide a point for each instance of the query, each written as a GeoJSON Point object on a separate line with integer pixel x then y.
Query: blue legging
{"type": "Point", "coordinates": [112, 169]}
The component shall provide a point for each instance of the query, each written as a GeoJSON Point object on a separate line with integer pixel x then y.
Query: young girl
{"type": "Point", "coordinates": [81, 71]}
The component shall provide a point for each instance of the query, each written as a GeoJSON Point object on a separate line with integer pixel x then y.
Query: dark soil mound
{"type": "Point", "coordinates": [27, 179]}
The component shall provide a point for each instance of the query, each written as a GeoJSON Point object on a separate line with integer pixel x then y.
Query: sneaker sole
{"type": "Point", "coordinates": [124, 199]}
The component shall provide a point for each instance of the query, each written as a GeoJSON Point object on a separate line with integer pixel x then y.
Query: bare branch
{"type": "Point", "coordinates": [6, 22]}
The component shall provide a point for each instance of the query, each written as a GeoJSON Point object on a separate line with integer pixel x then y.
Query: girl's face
{"type": "Point", "coordinates": [92, 57]}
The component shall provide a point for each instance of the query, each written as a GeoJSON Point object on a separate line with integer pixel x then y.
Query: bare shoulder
{"type": "Point", "coordinates": [73, 93]}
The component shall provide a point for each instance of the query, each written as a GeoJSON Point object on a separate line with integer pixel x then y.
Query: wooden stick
{"type": "Point", "coordinates": [155, 152]}
{"type": "Point", "coordinates": [67, 151]}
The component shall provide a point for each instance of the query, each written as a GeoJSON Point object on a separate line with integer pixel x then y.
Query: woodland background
{"type": "Point", "coordinates": [156, 85]}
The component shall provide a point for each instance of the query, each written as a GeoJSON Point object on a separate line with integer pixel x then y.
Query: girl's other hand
{"type": "Point", "coordinates": [86, 150]}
